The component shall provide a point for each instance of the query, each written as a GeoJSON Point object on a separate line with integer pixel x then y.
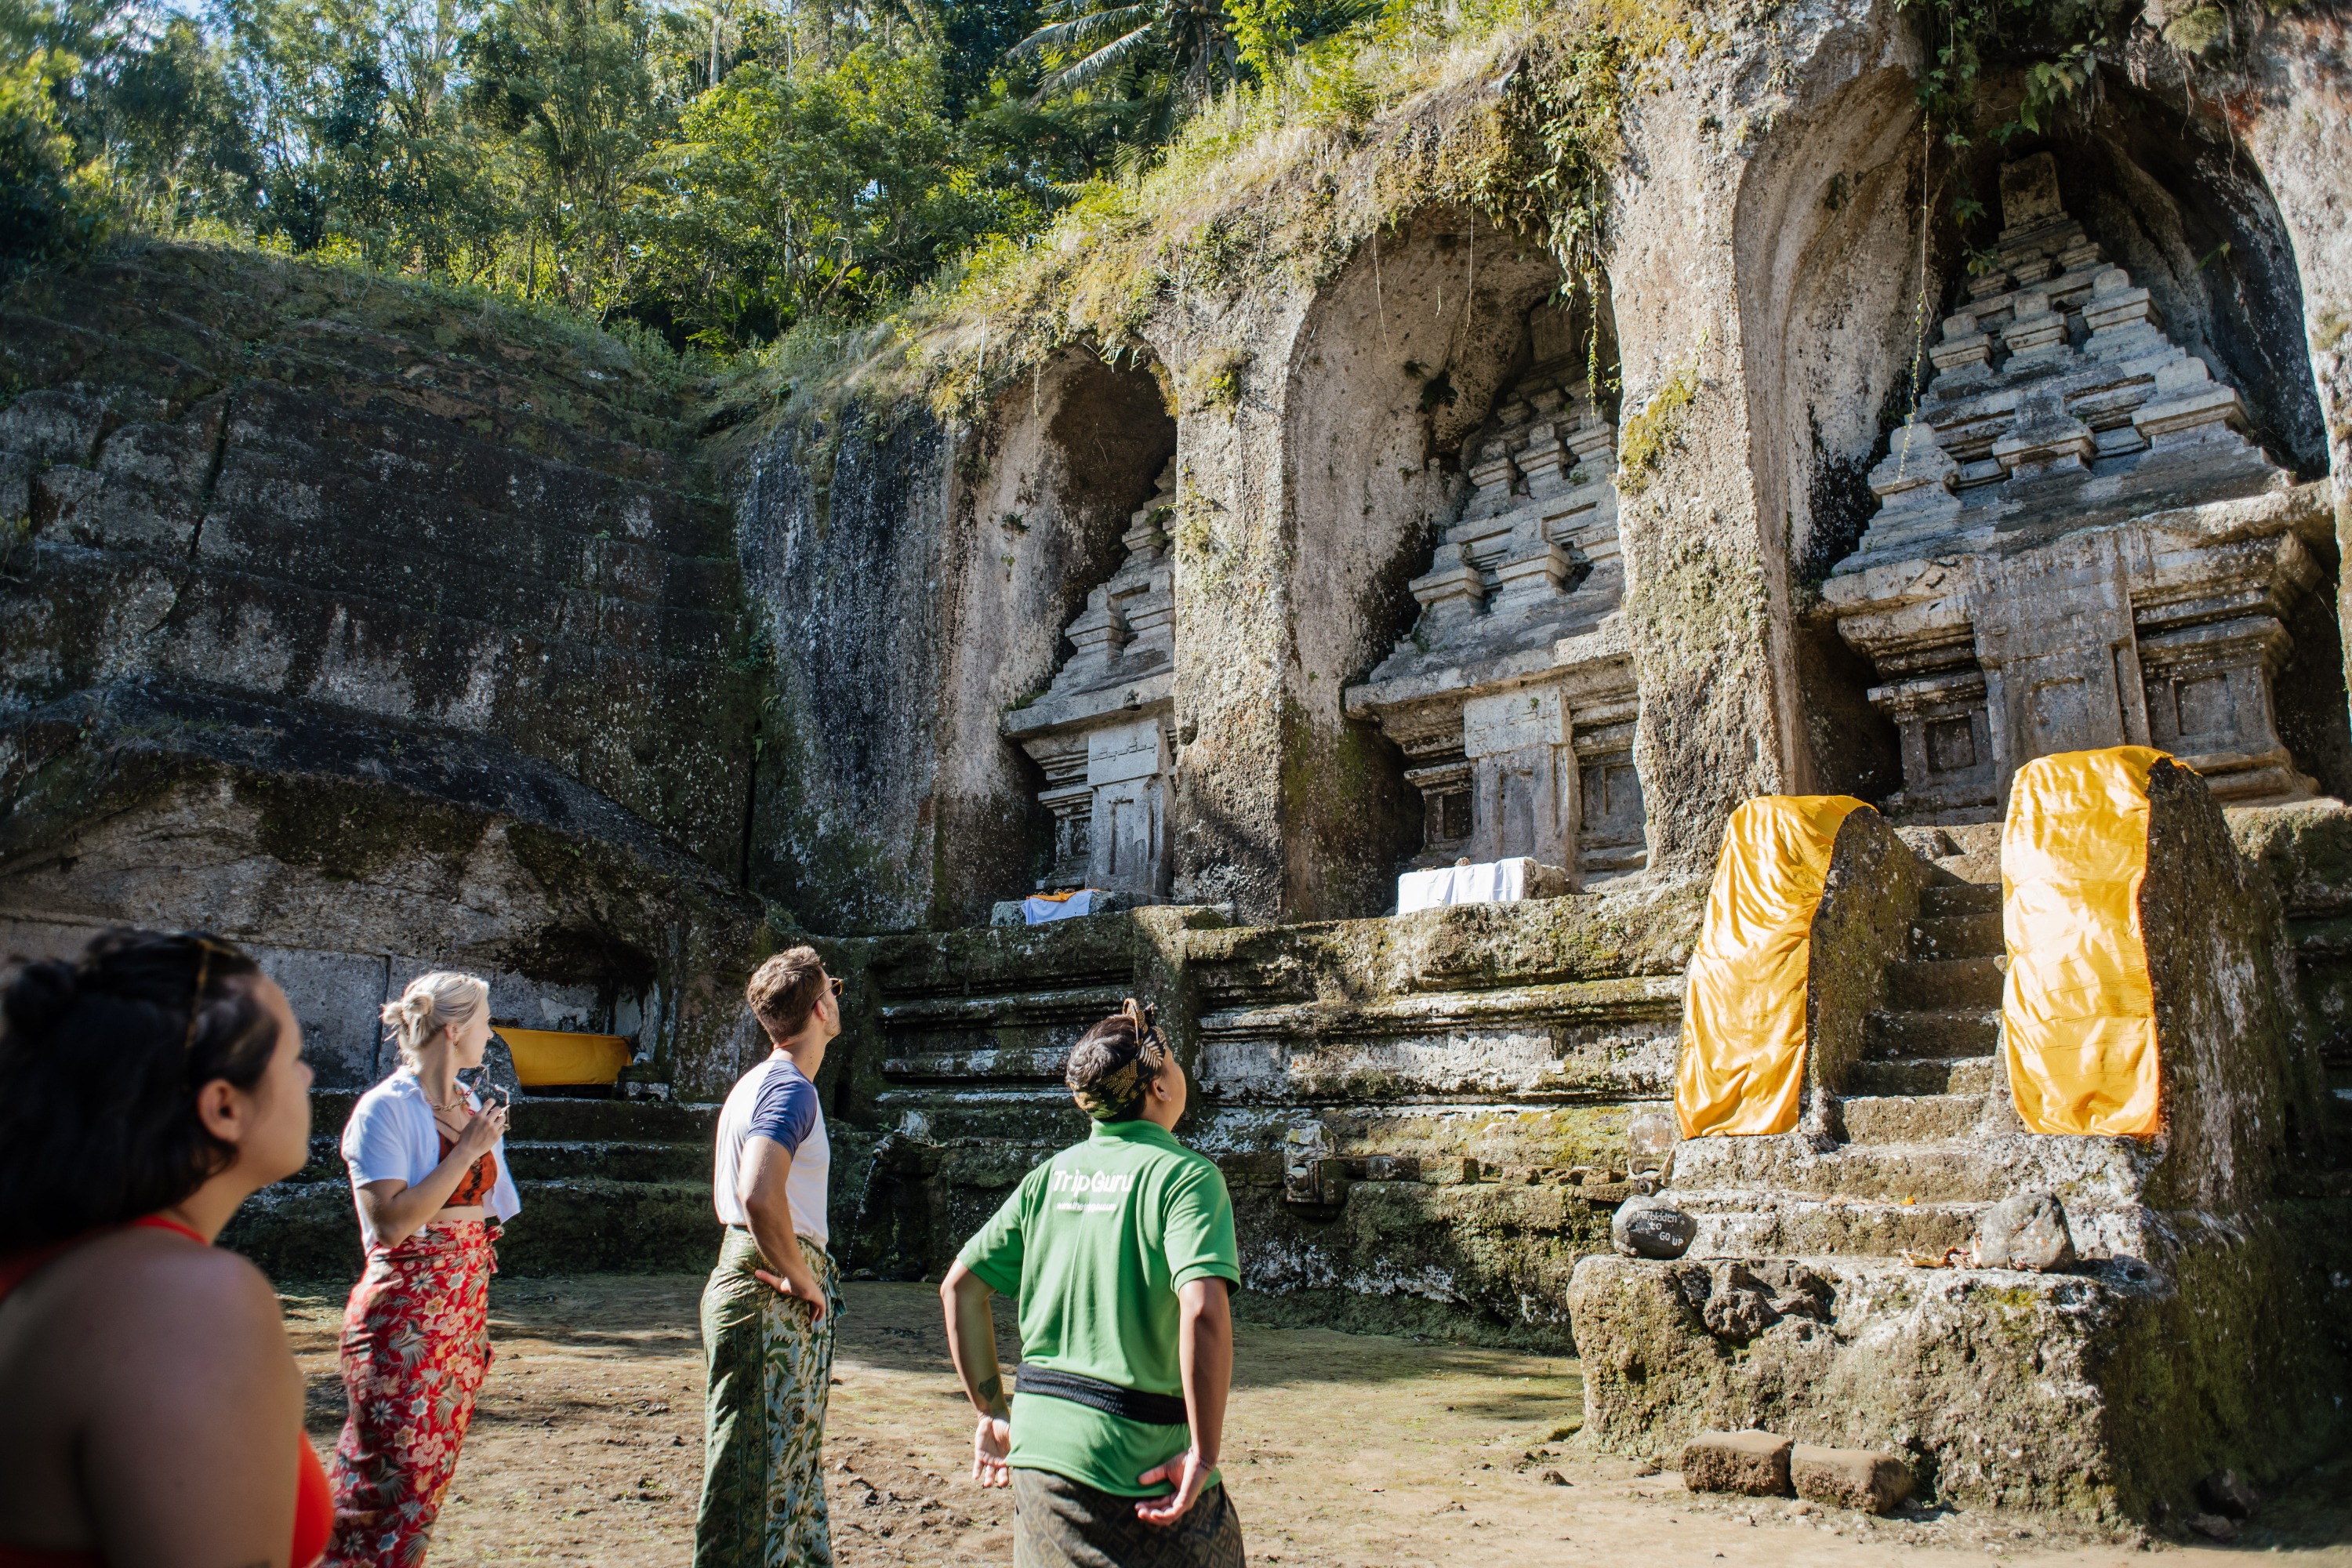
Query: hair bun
{"type": "Point", "coordinates": [41, 995]}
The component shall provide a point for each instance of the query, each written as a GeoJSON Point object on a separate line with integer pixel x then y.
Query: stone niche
{"type": "Point", "coordinates": [2076, 544]}
{"type": "Point", "coordinates": [1513, 698]}
{"type": "Point", "coordinates": [1100, 732]}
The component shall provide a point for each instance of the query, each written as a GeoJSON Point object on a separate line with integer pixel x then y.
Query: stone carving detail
{"type": "Point", "coordinates": [1100, 729]}
{"type": "Point", "coordinates": [1513, 698]}
{"type": "Point", "coordinates": [2076, 546]}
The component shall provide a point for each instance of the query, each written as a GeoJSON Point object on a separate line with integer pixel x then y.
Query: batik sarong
{"type": "Point", "coordinates": [1061, 1524]}
{"type": "Point", "coordinates": [764, 1422]}
{"type": "Point", "coordinates": [415, 1348]}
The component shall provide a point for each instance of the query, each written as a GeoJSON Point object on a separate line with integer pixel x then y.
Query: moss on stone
{"type": "Point", "coordinates": [1642, 447]}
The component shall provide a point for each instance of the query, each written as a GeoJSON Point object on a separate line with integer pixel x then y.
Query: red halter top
{"type": "Point", "coordinates": [314, 1506]}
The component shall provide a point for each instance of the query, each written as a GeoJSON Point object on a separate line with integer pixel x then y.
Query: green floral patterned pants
{"type": "Point", "coordinates": [764, 1422]}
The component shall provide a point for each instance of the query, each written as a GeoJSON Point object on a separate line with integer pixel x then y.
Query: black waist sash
{"type": "Point", "coordinates": [1130, 1403]}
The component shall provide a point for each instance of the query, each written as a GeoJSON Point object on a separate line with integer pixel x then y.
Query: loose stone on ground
{"type": "Point", "coordinates": [1651, 1227]}
{"type": "Point", "coordinates": [1753, 1463]}
{"type": "Point", "coordinates": [1849, 1478]}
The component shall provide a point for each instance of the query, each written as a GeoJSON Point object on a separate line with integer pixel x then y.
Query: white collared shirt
{"type": "Point", "coordinates": [391, 1137]}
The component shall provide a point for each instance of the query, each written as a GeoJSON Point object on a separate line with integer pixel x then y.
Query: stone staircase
{"type": "Point", "coordinates": [1931, 1060]}
{"type": "Point", "coordinates": [606, 1185]}
{"type": "Point", "coordinates": [1833, 1292]}
{"type": "Point", "coordinates": [1925, 1138]}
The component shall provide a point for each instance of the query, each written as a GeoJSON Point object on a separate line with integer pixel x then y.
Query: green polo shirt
{"type": "Point", "coordinates": [1094, 1245]}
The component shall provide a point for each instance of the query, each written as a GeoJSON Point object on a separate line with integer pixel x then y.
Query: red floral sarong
{"type": "Point", "coordinates": [415, 1348]}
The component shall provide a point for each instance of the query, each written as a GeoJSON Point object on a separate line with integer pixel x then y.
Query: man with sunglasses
{"type": "Point", "coordinates": [768, 1312]}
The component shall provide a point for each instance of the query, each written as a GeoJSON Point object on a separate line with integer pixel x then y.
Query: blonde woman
{"type": "Point", "coordinates": [429, 1177]}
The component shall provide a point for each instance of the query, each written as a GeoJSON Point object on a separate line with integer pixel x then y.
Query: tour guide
{"type": "Point", "coordinates": [1120, 1251]}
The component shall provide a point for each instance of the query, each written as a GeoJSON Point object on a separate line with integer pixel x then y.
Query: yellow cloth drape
{"type": "Point", "coordinates": [1743, 1059]}
{"type": "Point", "coordinates": [548, 1057]}
{"type": "Point", "coordinates": [2077, 1014]}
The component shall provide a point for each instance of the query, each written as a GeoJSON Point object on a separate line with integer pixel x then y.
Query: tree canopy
{"type": "Point", "coordinates": [715, 170]}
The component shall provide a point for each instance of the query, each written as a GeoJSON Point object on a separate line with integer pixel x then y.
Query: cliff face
{"type": "Point", "coordinates": [1771, 290]}
{"type": "Point", "coordinates": [377, 630]}
{"type": "Point", "coordinates": [910, 581]}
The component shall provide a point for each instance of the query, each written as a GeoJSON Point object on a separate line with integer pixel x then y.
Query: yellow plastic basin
{"type": "Point", "coordinates": [546, 1057]}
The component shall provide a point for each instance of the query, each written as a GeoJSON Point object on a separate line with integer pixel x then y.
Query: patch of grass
{"type": "Point", "coordinates": [1214, 381]}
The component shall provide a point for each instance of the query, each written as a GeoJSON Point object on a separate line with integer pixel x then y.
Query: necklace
{"type": "Point", "coordinates": [452, 1106]}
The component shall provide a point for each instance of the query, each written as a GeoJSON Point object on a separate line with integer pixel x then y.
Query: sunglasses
{"type": "Point", "coordinates": [206, 949]}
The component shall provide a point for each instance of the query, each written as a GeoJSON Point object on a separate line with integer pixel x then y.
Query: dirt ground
{"type": "Point", "coordinates": [1342, 1451]}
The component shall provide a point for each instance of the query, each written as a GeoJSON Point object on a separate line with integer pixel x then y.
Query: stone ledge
{"type": "Point", "coordinates": [2102, 1393]}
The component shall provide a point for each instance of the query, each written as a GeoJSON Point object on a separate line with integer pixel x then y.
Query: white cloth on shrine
{"type": "Point", "coordinates": [1489, 883]}
{"type": "Point", "coordinates": [1037, 910]}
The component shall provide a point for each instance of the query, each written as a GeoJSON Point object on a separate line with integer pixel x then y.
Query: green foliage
{"type": "Point", "coordinates": [2056, 41]}
{"type": "Point", "coordinates": [1467, 103]}
{"type": "Point", "coordinates": [714, 170]}
{"type": "Point", "coordinates": [1268, 32]}
{"type": "Point", "coordinates": [1265, 32]}
{"type": "Point", "coordinates": [1090, 44]}
{"type": "Point", "coordinates": [1560, 123]}
{"type": "Point", "coordinates": [829, 194]}
{"type": "Point", "coordinates": [566, 89]}
{"type": "Point", "coordinates": [341, 130]}
{"type": "Point", "coordinates": [2199, 31]}
{"type": "Point", "coordinates": [50, 205]}
{"type": "Point", "coordinates": [1214, 381]}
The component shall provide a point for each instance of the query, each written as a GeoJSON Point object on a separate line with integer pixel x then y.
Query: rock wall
{"type": "Point", "coordinates": [909, 585]}
{"type": "Point", "coordinates": [1776, 260]}
{"type": "Point", "coordinates": [379, 630]}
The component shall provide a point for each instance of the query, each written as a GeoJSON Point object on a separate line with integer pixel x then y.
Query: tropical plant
{"type": "Point", "coordinates": [1089, 44]}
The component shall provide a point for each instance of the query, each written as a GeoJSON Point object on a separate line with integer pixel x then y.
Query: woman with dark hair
{"type": "Point", "coordinates": [1120, 1252]}
{"type": "Point", "coordinates": [154, 1411]}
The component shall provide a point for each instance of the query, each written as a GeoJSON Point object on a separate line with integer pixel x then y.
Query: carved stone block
{"type": "Point", "coordinates": [2073, 547]}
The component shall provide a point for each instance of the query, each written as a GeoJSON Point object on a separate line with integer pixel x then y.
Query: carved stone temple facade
{"type": "Point", "coordinates": [1513, 698]}
{"type": "Point", "coordinates": [1100, 732]}
{"type": "Point", "coordinates": [380, 631]}
{"type": "Point", "coordinates": [2077, 543]}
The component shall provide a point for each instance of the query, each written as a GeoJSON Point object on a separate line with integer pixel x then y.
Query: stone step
{"type": "Point", "coordinates": [1750, 1225]}
{"type": "Point", "coordinates": [1956, 936]}
{"type": "Point", "coordinates": [1907, 1076]}
{"type": "Point", "coordinates": [1983, 1168]}
{"type": "Point", "coordinates": [549, 1117]}
{"type": "Point", "coordinates": [1914, 1118]}
{"type": "Point", "coordinates": [1937, 1032]}
{"type": "Point", "coordinates": [1769, 1225]}
{"type": "Point", "coordinates": [1961, 899]}
{"type": "Point", "coordinates": [546, 1160]}
{"type": "Point", "coordinates": [307, 1230]}
{"type": "Point", "coordinates": [1943, 983]}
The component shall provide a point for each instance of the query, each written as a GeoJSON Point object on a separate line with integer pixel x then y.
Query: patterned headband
{"type": "Point", "coordinates": [1118, 1096]}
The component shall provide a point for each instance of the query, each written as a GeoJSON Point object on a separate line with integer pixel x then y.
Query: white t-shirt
{"type": "Point", "coordinates": [391, 1137]}
{"type": "Point", "coordinates": [775, 1100]}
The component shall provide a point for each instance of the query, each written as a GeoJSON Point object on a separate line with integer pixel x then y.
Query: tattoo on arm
{"type": "Point", "coordinates": [992, 1393]}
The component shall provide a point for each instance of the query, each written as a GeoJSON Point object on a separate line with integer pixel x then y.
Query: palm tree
{"type": "Point", "coordinates": [1091, 44]}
